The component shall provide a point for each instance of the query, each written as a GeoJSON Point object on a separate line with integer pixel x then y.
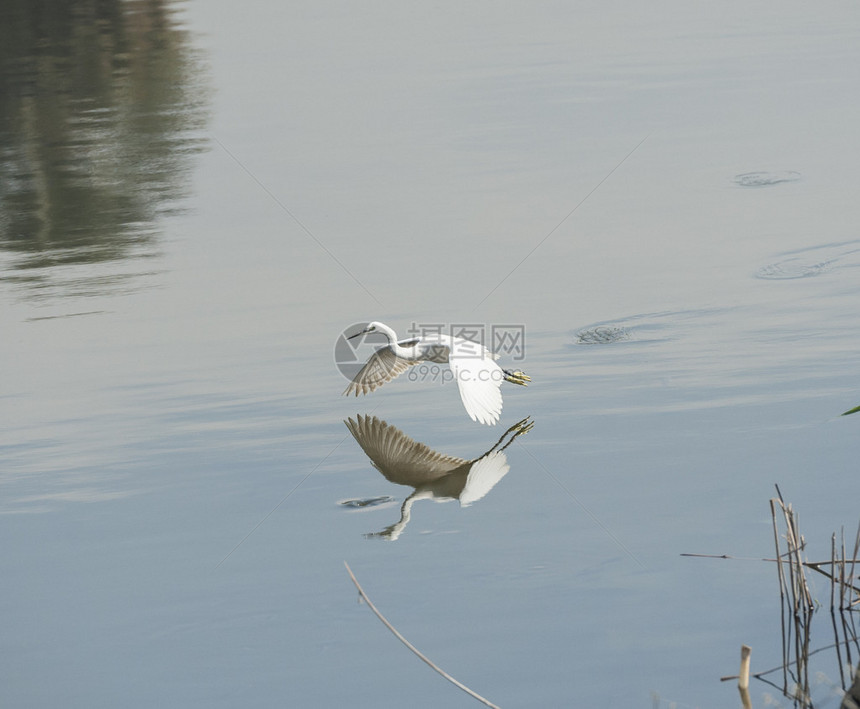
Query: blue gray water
{"type": "Point", "coordinates": [198, 197]}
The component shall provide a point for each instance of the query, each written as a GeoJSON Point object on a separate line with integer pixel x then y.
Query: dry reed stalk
{"type": "Point", "coordinates": [796, 597]}
{"type": "Point", "coordinates": [853, 575]}
{"type": "Point", "coordinates": [833, 562]}
{"type": "Point", "coordinates": [797, 606]}
{"type": "Point", "coordinates": [744, 677]}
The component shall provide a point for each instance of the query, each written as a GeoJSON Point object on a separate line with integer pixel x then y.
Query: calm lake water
{"type": "Point", "coordinates": [198, 198]}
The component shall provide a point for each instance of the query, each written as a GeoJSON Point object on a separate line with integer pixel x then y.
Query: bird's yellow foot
{"type": "Point", "coordinates": [517, 377]}
{"type": "Point", "coordinates": [522, 427]}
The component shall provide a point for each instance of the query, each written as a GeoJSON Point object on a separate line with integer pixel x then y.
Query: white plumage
{"type": "Point", "coordinates": [473, 366]}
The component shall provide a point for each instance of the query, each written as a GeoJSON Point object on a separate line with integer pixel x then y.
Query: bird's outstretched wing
{"type": "Point", "coordinates": [483, 476]}
{"type": "Point", "coordinates": [382, 366]}
{"type": "Point", "coordinates": [478, 378]}
{"type": "Point", "coordinates": [398, 457]}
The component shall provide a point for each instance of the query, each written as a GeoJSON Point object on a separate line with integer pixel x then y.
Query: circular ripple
{"type": "Point", "coordinates": [765, 179]}
{"type": "Point", "coordinates": [602, 335]}
{"type": "Point", "coordinates": [790, 269]}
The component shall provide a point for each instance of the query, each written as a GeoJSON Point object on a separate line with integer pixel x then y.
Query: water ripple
{"type": "Point", "coordinates": [363, 503]}
{"type": "Point", "coordinates": [765, 179]}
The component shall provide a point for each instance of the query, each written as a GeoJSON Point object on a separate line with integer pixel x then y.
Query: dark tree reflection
{"type": "Point", "coordinates": [102, 104]}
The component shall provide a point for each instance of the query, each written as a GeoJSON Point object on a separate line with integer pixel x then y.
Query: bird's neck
{"type": "Point", "coordinates": [388, 332]}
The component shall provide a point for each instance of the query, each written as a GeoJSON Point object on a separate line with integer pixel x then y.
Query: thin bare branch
{"type": "Point", "coordinates": [414, 649]}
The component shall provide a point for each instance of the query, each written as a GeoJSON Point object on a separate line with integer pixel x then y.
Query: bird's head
{"type": "Point", "coordinates": [371, 327]}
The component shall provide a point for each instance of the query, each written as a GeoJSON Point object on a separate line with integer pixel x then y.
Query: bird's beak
{"type": "Point", "coordinates": [356, 335]}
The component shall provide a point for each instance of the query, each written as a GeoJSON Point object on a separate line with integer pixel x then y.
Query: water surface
{"type": "Point", "coordinates": [197, 198]}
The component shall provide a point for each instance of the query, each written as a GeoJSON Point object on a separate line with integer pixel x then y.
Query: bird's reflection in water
{"type": "Point", "coordinates": [434, 475]}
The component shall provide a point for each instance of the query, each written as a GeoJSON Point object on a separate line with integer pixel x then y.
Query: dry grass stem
{"type": "Point", "coordinates": [797, 607]}
{"type": "Point", "coordinates": [744, 676]}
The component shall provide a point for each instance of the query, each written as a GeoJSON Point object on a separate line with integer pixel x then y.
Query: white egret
{"type": "Point", "coordinates": [478, 376]}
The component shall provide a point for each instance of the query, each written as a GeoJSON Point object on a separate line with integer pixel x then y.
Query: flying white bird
{"type": "Point", "coordinates": [472, 365]}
